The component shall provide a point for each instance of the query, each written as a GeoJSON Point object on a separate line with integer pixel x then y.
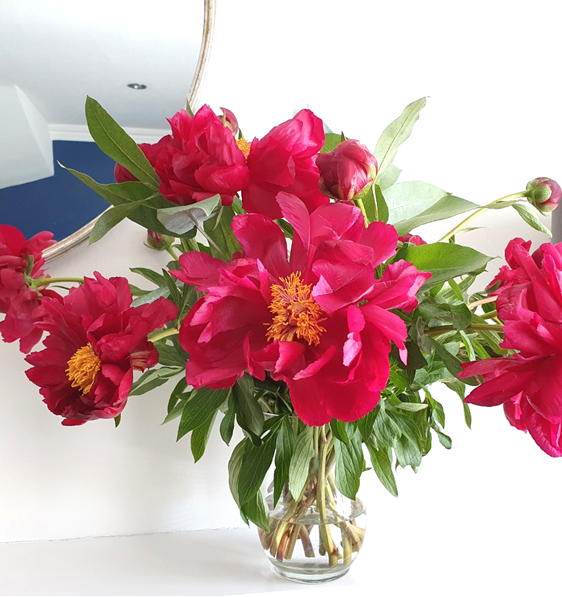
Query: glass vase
{"type": "Point", "coordinates": [317, 537]}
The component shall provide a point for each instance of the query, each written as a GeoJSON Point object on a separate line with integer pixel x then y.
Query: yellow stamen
{"type": "Point", "coordinates": [83, 367]}
{"type": "Point", "coordinates": [296, 313]}
{"type": "Point", "coordinates": [244, 147]}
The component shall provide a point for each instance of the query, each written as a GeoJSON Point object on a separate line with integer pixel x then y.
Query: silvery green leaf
{"type": "Point", "coordinates": [184, 218]}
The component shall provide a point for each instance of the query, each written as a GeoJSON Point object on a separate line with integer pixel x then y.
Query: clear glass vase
{"type": "Point", "coordinates": [317, 537]}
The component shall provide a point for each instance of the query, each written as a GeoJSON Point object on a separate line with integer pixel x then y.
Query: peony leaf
{"type": "Point", "coordinates": [184, 218]}
{"type": "Point", "coordinates": [283, 454]}
{"type": "Point", "coordinates": [109, 219]}
{"type": "Point", "coordinates": [409, 199]}
{"type": "Point", "coordinates": [117, 144]}
{"type": "Point", "coordinates": [200, 437]}
{"type": "Point", "coordinates": [152, 379]}
{"type": "Point", "coordinates": [257, 511]}
{"type": "Point", "coordinates": [349, 464]}
{"type": "Point", "coordinates": [234, 465]}
{"type": "Point", "coordinates": [331, 141]}
{"type": "Point", "coordinates": [444, 261]}
{"type": "Point", "coordinates": [382, 465]}
{"type": "Point", "coordinates": [249, 413]}
{"type": "Point", "coordinates": [396, 133]}
{"type": "Point", "coordinates": [529, 215]}
{"type": "Point", "coordinates": [255, 464]}
{"type": "Point", "coordinates": [446, 207]}
{"type": "Point", "coordinates": [227, 423]}
{"type": "Point", "coordinates": [203, 403]}
{"type": "Point", "coordinates": [300, 462]}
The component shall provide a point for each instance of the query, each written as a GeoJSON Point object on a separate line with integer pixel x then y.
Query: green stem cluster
{"type": "Point", "coordinates": [319, 494]}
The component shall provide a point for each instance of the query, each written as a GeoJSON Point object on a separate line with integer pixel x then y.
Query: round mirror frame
{"type": "Point", "coordinates": [83, 233]}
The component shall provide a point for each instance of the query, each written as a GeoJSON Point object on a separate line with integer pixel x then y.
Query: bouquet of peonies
{"type": "Point", "coordinates": [298, 305]}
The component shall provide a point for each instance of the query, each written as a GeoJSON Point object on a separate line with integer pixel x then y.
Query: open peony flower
{"type": "Point", "coordinates": [319, 321]}
{"type": "Point", "coordinates": [529, 383]}
{"type": "Point", "coordinates": [198, 160]}
{"type": "Point", "coordinates": [21, 259]}
{"type": "Point", "coordinates": [285, 160]}
{"type": "Point", "coordinates": [95, 340]}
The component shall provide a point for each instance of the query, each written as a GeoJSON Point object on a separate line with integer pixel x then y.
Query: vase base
{"type": "Point", "coordinates": [309, 574]}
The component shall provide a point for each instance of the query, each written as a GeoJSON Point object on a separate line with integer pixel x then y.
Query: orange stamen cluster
{"type": "Point", "coordinates": [244, 146]}
{"type": "Point", "coordinates": [296, 313]}
{"type": "Point", "coordinates": [83, 367]}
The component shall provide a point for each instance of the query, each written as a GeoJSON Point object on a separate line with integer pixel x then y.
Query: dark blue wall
{"type": "Point", "coordinates": [60, 203]}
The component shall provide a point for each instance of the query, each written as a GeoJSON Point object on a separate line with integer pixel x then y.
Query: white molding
{"type": "Point", "coordinates": [79, 132]}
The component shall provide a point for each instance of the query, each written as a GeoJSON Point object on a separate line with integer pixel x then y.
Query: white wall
{"type": "Point", "coordinates": [492, 123]}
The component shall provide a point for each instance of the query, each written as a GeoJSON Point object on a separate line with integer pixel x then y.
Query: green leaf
{"type": "Point", "coordinates": [365, 425]}
{"type": "Point", "coordinates": [152, 379]}
{"type": "Point", "coordinates": [203, 403]}
{"type": "Point", "coordinates": [109, 219]}
{"type": "Point", "coordinates": [529, 215]}
{"type": "Point", "coordinates": [331, 141]}
{"type": "Point", "coordinates": [382, 465]}
{"type": "Point", "coordinates": [444, 261]}
{"type": "Point", "coordinates": [177, 393]}
{"type": "Point", "coordinates": [256, 510]}
{"type": "Point", "coordinates": [117, 420]}
{"type": "Point", "coordinates": [300, 462]}
{"type": "Point", "coordinates": [150, 275]}
{"type": "Point", "coordinates": [234, 465]}
{"type": "Point", "coordinates": [227, 423]}
{"type": "Point", "coordinates": [255, 464]}
{"type": "Point", "coordinates": [385, 430]}
{"type": "Point", "coordinates": [349, 465]}
{"type": "Point", "coordinates": [127, 192]}
{"type": "Point", "coordinates": [408, 199]}
{"type": "Point", "coordinates": [285, 448]}
{"type": "Point", "coordinates": [412, 407]}
{"type": "Point", "coordinates": [150, 297]}
{"type": "Point", "coordinates": [200, 437]}
{"type": "Point", "coordinates": [117, 144]}
{"type": "Point", "coordinates": [446, 207]}
{"type": "Point", "coordinates": [445, 440]}
{"type": "Point", "coordinates": [169, 355]}
{"type": "Point", "coordinates": [249, 413]}
{"type": "Point", "coordinates": [452, 363]}
{"type": "Point", "coordinates": [220, 230]}
{"type": "Point", "coordinates": [184, 218]}
{"type": "Point", "coordinates": [381, 205]}
{"type": "Point", "coordinates": [408, 453]}
{"type": "Point", "coordinates": [388, 177]}
{"type": "Point", "coordinates": [396, 133]}
{"type": "Point", "coordinates": [339, 431]}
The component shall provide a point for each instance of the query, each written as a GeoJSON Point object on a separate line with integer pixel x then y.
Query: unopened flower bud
{"type": "Point", "coordinates": [346, 170]}
{"type": "Point", "coordinates": [157, 241]}
{"type": "Point", "coordinates": [544, 193]}
{"type": "Point", "coordinates": [413, 239]}
{"type": "Point", "coordinates": [230, 120]}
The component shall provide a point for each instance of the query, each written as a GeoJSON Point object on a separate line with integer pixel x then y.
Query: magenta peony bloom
{"type": "Point", "coordinates": [198, 160]}
{"type": "Point", "coordinates": [544, 193]}
{"type": "Point", "coordinates": [346, 170]}
{"type": "Point", "coordinates": [23, 306]}
{"type": "Point", "coordinates": [319, 321]}
{"type": "Point", "coordinates": [95, 340]}
{"type": "Point", "coordinates": [285, 160]}
{"type": "Point", "coordinates": [529, 383]}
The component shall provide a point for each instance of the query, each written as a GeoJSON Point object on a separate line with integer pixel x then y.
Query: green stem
{"type": "Point", "coordinates": [163, 334]}
{"type": "Point", "coordinates": [189, 244]}
{"type": "Point", "coordinates": [479, 212]}
{"type": "Point", "coordinates": [46, 281]}
{"type": "Point", "coordinates": [490, 315]}
{"type": "Point", "coordinates": [361, 206]}
{"type": "Point", "coordinates": [443, 329]}
{"type": "Point", "coordinates": [321, 502]}
{"type": "Point", "coordinates": [174, 255]}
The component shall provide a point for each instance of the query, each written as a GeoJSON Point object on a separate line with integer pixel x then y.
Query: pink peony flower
{"type": "Point", "coordinates": [95, 340]}
{"type": "Point", "coordinates": [319, 321]}
{"type": "Point", "coordinates": [544, 193]}
{"type": "Point", "coordinates": [346, 170]}
{"type": "Point", "coordinates": [198, 160]}
{"type": "Point", "coordinates": [285, 160]}
{"type": "Point", "coordinates": [21, 259]}
{"type": "Point", "coordinates": [529, 383]}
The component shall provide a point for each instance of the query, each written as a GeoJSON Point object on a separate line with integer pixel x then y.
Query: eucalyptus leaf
{"type": "Point", "coordinates": [396, 133]}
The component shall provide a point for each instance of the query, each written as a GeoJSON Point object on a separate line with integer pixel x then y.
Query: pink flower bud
{"type": "Point", "coordinates": [413, 239]}
{"type": "Point", "coordinates": [544, 193]}
{"type": "Point", "coordinates": [157, 241]}
{"type": "Point", "coordinates": [346, 170]}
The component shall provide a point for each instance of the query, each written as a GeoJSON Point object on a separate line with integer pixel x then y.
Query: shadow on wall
{"type": "Point", "coordinates": [60, 203]}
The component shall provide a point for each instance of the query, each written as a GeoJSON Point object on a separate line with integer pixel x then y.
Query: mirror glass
{"type": "Point", "coordinates": [140, 63]}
